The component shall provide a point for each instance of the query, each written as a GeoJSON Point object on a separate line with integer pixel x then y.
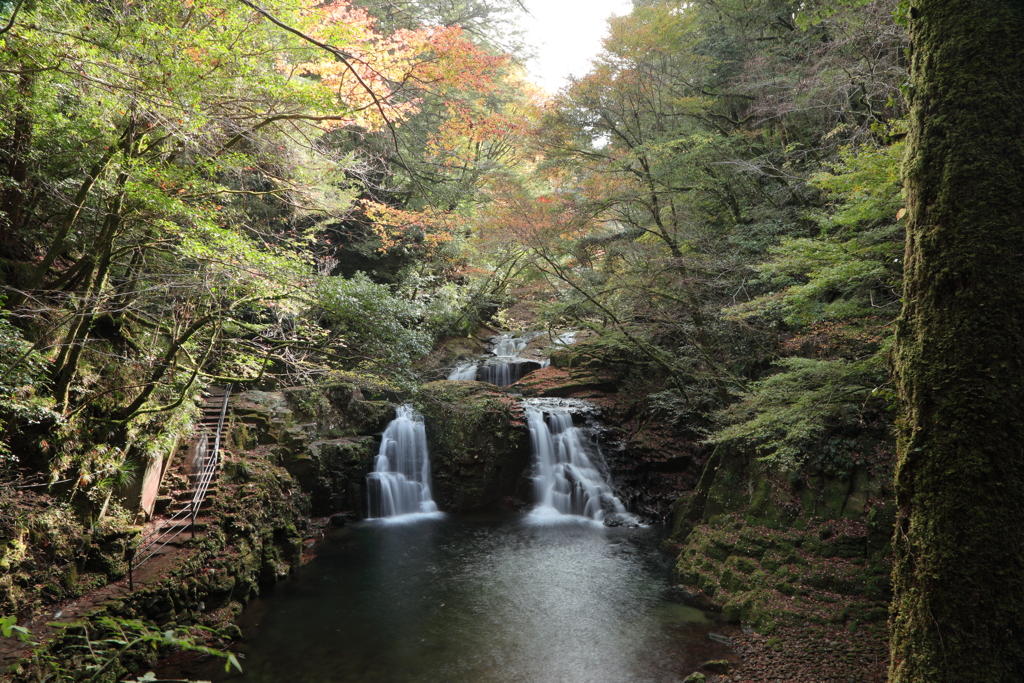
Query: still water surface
{"type": "Point", "coordinates": [482, 599]}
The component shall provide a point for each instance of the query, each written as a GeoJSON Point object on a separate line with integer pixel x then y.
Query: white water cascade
{"type": "Point", "coordinates": [503, 365]}
{"type": "Point", "coordinates": [507, 346]}
{"type": "Point", "coordinates": [400, 482]}
{"type": "Point", "coordinates": [464, 371]}
{"type": "Point", "coordinates": [567, 481]}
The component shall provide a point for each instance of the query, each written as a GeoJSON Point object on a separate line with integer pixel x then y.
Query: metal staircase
{"type": "Point", "coordinates": [202, 468]}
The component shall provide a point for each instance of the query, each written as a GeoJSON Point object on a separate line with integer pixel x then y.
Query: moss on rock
{"type": "Point", "coordinates": [768, 577]}
{"type": "Point", "coordinates": [479, 443]}
{"type": "Point", "coordinates": [324, 436]}
{"type": "Point", "coordinates": [341, 409]}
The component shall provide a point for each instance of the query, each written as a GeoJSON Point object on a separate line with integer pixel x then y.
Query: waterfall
{"type": "Point", "coordinates": [501, 373]}
{"type": "Point", "coordinates": [503, 365]}
{"type": "Point", "coordinates": [507, 346]}
{"type": "Point", "coordinates": [504, 374]}
{"type": "Point", "coordinates": [464, 371]}
{"type": "Point", "coordinates": [400, 482]}
{"type": "Point", "coordinates": [566, 481]}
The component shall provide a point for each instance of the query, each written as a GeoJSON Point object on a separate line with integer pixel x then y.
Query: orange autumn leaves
{"type": "Point", "coordinates": [382, 78]}
{"type": "Point", "coordinates": [516, 216]}
{"type": "Point", "coordinates": [396, 227]}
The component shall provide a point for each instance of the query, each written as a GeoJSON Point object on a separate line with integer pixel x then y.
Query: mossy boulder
{"type": "Point", "coordinates": [733, 481]}
{"type": "Point", "coordinates": [342, 466]}
{"type": "Point", "coordinates": [479, 443]}
{"type": "Point", "coordinates": [333, 471]}
{"type": "Point", "coordinates": [451, 350]}
{"type": "Point", "coordinates": [340, 409]}
{"type": "Point", "coordinates": [765, 576]}
{"type": "Point", "coordinates": [258, 418]}
{"type": "Point", "coordinates": [717, 666]}
{"type": "Point", "coordinates": [325, 436]}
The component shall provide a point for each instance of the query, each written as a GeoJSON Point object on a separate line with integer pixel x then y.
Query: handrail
{"type": "Point", "coordinates": [211, 461]}
{"type": "Point", "coordinates": [172, 527]}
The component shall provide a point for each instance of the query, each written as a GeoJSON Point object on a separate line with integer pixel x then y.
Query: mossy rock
{"type": "Point", "coordinates": [451, 350]}
{"type": "Point", "coordinates": [342, 409]}
{"type": "Point", "coordinates": [342, 466]}
{"type": "Point", "coordinates": [727, 485]}
{"type": "Point", "coordinates": [717, 666]}
{"type": "Point", "coordinates": [258, 418]}
{"type": "Point", "coordinates": [743, 565]}
{"type": "Point", "coordinates": [479, 443]}
{"type": "Point", "coordinates": [681, 522]}
{"type": "Point", "coordinates": [881, 524]}
{"type": "Point", "coordinates": [859, 495]}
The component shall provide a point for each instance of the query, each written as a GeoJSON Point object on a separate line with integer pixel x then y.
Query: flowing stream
{"type": "Point", "coordinates": [400, 481]}
{"type": "Point", "coordinates": [545, 597]}
{"type": "Point", "coordinates": [474, 599]}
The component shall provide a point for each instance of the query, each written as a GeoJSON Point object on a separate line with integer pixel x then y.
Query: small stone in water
{"type": "Point", "coordinates": [717, 666]}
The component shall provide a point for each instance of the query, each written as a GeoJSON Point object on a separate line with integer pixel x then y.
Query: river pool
{"type": "Point", "coordinates": [502, 598]}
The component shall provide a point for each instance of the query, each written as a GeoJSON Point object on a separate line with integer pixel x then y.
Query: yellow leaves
{"type": "Point", "coordinates": [396, 227]}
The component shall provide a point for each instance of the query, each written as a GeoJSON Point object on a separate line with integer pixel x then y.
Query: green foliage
{"type": "Point", "coordinates": [864, 185]}
{"type": "Point", "coordinates": [849, 278]}
{"type": "Point", "coordinates": [788, 417]}
{"type": "Point", "coordinates": [22, 382]}
{"type": "Point", "coordinates": [853, 268]}
{"type": "Point", "coordinates": [379, 327]}
{"type": "Point", "coordinates": [101, 648]}
{"type": "Point", "coordinates": [9, 627]}
{"type": "Point", "coordinates": [829, 279]}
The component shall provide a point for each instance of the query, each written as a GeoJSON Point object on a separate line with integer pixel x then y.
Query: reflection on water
{"type": "Point", "coordinates": [483, 599]}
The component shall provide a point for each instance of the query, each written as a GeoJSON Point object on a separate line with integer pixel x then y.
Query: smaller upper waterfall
{"type": "Point", "coordinates": [400, 482]}
{"type": "Point", "coordinates": [464, 371]}
{"type": "Point", "coordinates": [505, 363]}
{"type": "Point", "coordinates": [507, 346]}
{"type": "Point", "coordinates": [501, 373]}
{"type": "Point", "coordinates": [567, 479]}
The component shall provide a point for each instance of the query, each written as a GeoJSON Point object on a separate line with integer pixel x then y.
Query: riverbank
{"type": "Point", "coordinates": [799, 562]}
{"type": "Point", "coordinates": [250, 538]}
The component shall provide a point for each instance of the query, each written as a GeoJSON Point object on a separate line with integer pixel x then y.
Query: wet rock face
{"type": "Point", "coordinates": [342, 465]}
{"type": "Point", "coordinates": [479, 444]}
{"type": "Point", "coordinates": [325, 437]}
{"type": "Point", "coordinates": [339, 410]}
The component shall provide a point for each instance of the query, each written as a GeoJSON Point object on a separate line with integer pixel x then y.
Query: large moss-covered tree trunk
{"type": "Point", "coordinates": [958, 613]}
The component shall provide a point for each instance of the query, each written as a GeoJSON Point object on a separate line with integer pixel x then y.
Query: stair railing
{"type": "Point", "coordinates": [171, 528]}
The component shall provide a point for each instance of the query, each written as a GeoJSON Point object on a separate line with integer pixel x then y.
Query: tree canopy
{"type": "Point", "coordinates": [220, 191]}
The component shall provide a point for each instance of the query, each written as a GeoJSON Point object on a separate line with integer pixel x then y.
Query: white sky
{"type": "Point", "coordinates": [567, 35]}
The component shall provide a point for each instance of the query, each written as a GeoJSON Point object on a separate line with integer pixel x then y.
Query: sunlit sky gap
{"type": "Point", "coordinates": [567, 35]}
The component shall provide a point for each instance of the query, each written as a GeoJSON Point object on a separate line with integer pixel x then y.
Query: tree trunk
{"type": "Point", "coordinates": [66, 364]}
{"type": "Point", "coordinates": [958, 610]}
{"type": "Point", "coordinates": [15, 154]}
